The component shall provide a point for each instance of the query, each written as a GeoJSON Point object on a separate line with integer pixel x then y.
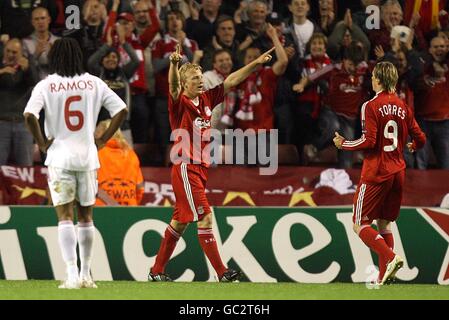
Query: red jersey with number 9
{"type": "Point", "coordinates": [71, 107]}
{"type": "Point", "coordinates": [387, 122]}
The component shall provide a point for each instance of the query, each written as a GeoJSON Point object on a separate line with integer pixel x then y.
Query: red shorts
{"type": "Point", "coordinates": [378, 201]}
{"type": "Point", "coordinates": [189, 186]}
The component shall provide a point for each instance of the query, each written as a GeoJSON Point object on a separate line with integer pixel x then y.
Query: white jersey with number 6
{"type": "Point", "coordinates": [71, 108]}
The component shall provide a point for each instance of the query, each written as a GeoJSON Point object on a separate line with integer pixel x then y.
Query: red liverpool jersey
{"type": "Point", "coordinates": [386, 124]}
{"type": "Point", "coordinates": [193, 116]}
{"type": "Point", "coordinates": [346, 91]}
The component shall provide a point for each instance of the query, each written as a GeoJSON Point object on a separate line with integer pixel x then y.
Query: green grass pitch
{"type": "Point", "coordinates": [124, 290]}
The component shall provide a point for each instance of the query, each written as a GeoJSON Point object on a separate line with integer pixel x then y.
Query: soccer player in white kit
{"type": "Point", "coordinates": [71, 100]}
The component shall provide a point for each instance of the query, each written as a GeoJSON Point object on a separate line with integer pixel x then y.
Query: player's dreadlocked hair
{"type": "Point", "coordinates": [66, 58]}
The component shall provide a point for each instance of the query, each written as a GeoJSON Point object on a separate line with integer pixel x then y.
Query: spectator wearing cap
{"type": "Point", "coordinates": [224, 38]}
{"type": "Point", "coordinates": [140, 112]}
{"type": "Point", "coordinates": [432, 106]}
{"type": "Point", "coordinates": [202, 24]}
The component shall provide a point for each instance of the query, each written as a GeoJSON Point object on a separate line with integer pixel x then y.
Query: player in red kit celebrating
{"type": "Point", "coordinates": [386, 124]}
{"type": "Point", "coordinates": [190, 109]}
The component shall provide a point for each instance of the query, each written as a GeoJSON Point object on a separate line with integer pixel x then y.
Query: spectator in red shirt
{"type": "Point", "coordinates": [347, 90]}
{"type": "Point", "coordinates": [140, 111]}
{"type": "Point", "coordinates": [432, 106]}
{"type": "Point", "coordinates": [430, 14]}
{"type": "Point", "coordinates": [308, 101]}
{"type": "Point", "coordinates": [258, 91]}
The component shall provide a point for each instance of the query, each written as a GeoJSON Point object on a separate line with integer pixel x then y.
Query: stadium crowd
{"type": "Point", "coordinates": [331, 46]}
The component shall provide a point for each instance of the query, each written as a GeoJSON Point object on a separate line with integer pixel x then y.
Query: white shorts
{"type": "Point", "coordinates": [67, 185]}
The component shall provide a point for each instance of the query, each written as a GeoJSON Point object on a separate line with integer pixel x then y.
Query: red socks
{"type": "Point", "coordinates": [207, 242]}
{"type": "Point", "coordinates": [209, 246]}
{"type": "Point", "coordinates": [376, 243]}
{"type": "Point", "coordinates": [389, 240]}
{"type": "Point", "coordinates": [166, 249]}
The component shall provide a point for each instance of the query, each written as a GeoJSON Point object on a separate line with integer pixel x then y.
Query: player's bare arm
{"type": "Point", "coordinates": [174, 82]}
{"type": "Point", "coordinates": [281, 63]}
{"type": "Point", "coordinates": [241, 74]}
{"type": "Point", "coordinates": [116, 122]}
{"type": "Point", "coordinates": [34, 127]}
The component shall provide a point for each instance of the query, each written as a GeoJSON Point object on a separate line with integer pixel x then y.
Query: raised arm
{"type": "Point", "coordinates": [94, 62]}
{"type": "Point", "coordinates": [235, 78]}
{"type": "Point", "coordinates": [281, 63]}
{"type": "Point", "coordinates": [174, 81]}
{"type": "Point", "coordinates": [151, 31]}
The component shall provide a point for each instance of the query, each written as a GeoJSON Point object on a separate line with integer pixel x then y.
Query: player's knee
{"type": "Point", "coordinates": [356, 228]}
{"type": "Point", "coordinates": [64, 212]}
{"type": "Point", "coordinates": [178, 226]}
{"type": "Point", "coordinates": [206, 222]}
{"type": "Point", "coordinates": [383, 225]}
{"type": "Point", "coordinates": [85, 214]}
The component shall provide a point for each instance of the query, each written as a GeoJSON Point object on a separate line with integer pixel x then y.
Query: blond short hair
{"type": "Point", "coordinates": [186, 68]}
{"type": "Point", "coordinates": [118, 135]}
{"type": "Point", "coordinates": [387, 74]}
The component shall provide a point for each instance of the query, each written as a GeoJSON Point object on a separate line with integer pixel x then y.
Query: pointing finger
{"type": "Point", "coordinates": [270, 51]}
